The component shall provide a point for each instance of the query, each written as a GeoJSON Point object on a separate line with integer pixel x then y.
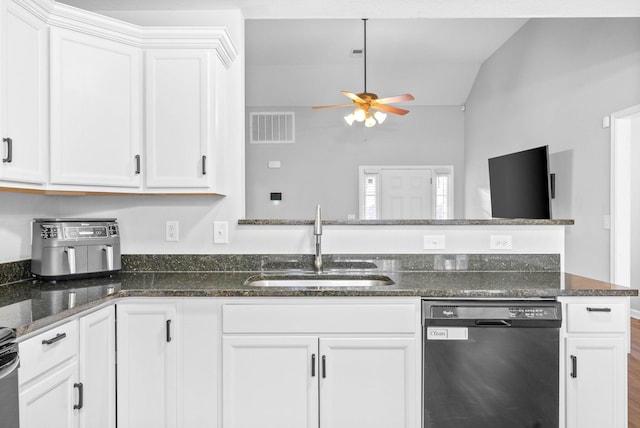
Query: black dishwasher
{"type": "Point", "coordinates": [491, 364]}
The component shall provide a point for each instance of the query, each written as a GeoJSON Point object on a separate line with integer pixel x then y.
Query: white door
{"type": "Point", "coordinates": [96, 122]}
{"type": "Point", "coordinates": [147, 369]}
{"type": "Point", "coordinates": [406, 194]}
{"type": "Point", "coordinates": [270, 382]}
{"type": "Point", "coordinates": [48, 403]}
{"type": "Point", "coordinates": [179, 117]}
{"type": "Point", "coordinates": [369, 383]}
{"type": "Point", "coordinates": [98, 369]}
{"type": "Point", "coordinates": [23, 95]}
{"type": "Point", "coordinates": [596, 397]}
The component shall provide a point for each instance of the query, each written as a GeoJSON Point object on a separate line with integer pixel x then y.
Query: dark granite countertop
{"type": "Point", "coordinates": [415, 222]}
{"type": "Point", "coordinates": [33, 304]}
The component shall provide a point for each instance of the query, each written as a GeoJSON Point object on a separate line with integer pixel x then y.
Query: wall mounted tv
{"type": "Point", "coordinates": [520, 184]}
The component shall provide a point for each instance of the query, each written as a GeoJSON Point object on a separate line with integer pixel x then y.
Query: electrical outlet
{"type": "Point", "coordinates": [501, 242]}
{"type": "Point", "coordinates": [434, 242]}
{"type": "Point", "coordinates": [220, 232]}
{"type": "Point", "coordinates": [171, 231]}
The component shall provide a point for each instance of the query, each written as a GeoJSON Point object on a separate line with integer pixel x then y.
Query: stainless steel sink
{"type": "Point", "coordinates": [318, 280]}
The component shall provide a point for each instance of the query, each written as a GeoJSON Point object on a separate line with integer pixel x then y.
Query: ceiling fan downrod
{"type": "Point", "coordinates": [364, 51]}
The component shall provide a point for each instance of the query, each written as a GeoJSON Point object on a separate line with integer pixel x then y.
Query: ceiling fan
{"type": "Point", "coordinates": [365, 101]}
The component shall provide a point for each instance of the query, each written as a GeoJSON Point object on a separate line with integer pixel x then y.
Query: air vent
{"type": "Point", "coordinates": [272, 127]}
{"type": "Point", "coordinates": [356, 53]}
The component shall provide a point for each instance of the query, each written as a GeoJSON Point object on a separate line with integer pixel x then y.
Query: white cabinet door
{"type": "Point", "coordinates": [147, 368]}
{"type": "Point", "coordinates": [49, 402]}
{"type": "Point", "coordinates": [97, 369]}
{"type": "Point", "coordinates": [270, 382]}
{"type": "Point", "coordinates": [96, 111]}
{"type": "Point", "coordinates": [179, 117]}
{"type": "Point", "coordinates": [23, 95]}
{"type": "Point", "coordinates": [596, 392]}
{"type": "Point", "coordinates": [199, 362]}
{"type": "Point", "coordinates": [369, 383]}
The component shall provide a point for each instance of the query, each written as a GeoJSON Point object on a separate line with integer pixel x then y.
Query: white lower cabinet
{"type": "Point", "coordinates": [97, 369]}
{"type": "Point", "coordinates": [168, 363]}
{"type": "Point", "coordinates": [270, 381]}
{"type": "Point", "coordinates": [346, 375]}
{"type": "Point", "coordinates": [595, 354]}
{"type": "Point", "coordinates": [67, 374]}
{"type": "Point", "coordinates": [147, 369]}
{"type": "Point", "coordinates": [368, 382]}
{"type": "Point", "coordinates": [50, 401]}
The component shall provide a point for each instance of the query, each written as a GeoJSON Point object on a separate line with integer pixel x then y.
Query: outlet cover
{"type": "Point", "coordinates": [220, 232]}
{"type": "Point", "coordinates": [434, 242]}
{"type": "Point", "coordinates": [501, 242]}
{"type": "Point", "coordinates": [171, 231]}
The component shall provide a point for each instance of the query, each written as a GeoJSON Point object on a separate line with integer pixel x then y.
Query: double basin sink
{"type": "Point", "coordinates": [318, 280]}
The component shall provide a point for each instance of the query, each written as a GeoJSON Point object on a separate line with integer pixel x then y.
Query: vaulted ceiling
{"type": "Point", "coordinates": [298, 52]}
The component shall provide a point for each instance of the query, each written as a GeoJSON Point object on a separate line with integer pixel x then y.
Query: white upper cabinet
{"type": "Point", "coordinates": [179, 118]}
{"type": "Point", "coordinates": [23, 95]}
{"type": "Point", "coordinates": [95, 111]}
{"type": "Point", "coordinates": [93, 104]}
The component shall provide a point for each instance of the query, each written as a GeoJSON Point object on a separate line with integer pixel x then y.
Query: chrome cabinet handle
{"type": "Point", "coordinates": [80, 404]}
{"type": "Point", "coordinates": [204, 165]}
{"type": "Point", "coordinates": [313, 365]}
{"type": "Point", "coordinates": [53, 340]}
{"type": "Point", "coordinates": [137, 164]}
{"type": "Point", "coordinates": [168, 331]}
{"type": "Point", "coordinates": [9, 157]}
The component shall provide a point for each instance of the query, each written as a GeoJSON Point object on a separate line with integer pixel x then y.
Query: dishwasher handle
{"type": "Point", "coordinates": [493, 323]}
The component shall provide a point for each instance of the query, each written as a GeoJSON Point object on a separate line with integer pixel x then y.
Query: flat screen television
{"type": "Point", "coordinates": [520, 184]}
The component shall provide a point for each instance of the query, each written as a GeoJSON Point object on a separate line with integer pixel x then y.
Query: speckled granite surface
{"type": "Point", "coordinates": [33, 304]}
{"type": "Point", "coordinates": [15, 271]}
{"type": "Point", "coordinates": [452, 222]}
{"type": "Point", "coordinates": [378, 262]}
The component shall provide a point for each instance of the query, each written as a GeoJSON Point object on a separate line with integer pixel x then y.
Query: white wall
{"type": "Point", "coordinates": [142, 217]}
{"type": "Point", "coordinates": [321, 167]}
{"type": "Point", "coordinates": [552, 83]}
{"type": "Point", "coordinates": [635, 211]}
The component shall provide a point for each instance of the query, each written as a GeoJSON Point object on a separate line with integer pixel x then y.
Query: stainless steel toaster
{"type": "Point", "coordinates": [65, 248]}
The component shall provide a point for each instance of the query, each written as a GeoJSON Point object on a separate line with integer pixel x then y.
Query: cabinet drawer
{"type": "Point", "coordinates": [597, 317]}
{"type": "Point", "coordinates": [317, 319]}
{"type": "Point", "coordinates": [46, 350]}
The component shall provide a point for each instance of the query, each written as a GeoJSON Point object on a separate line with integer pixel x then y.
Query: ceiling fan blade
{"type": "Point", "coordinates": [335, 106]}
{"type": "Point", "coordinates": [390, 109]}
{"type": "Point", "coordinates": [395, 99]}
{"type": "Point", "coordinates": [353, 96]}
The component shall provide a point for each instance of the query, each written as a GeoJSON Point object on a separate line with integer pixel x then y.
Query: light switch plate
{"type": "Point", "coordinates": [434, 242]}
{"type": "Point", "coordinates": [220, 232]}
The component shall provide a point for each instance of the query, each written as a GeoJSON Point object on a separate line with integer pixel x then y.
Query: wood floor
{"type": "Point", "coordinates": [634, 375]}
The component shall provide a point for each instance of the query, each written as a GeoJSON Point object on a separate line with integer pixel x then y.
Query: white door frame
{"type": "Point", "coordinates": [620, 244]}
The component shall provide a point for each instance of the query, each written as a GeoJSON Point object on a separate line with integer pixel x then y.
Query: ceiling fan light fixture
{"type": "Point", "coordinates": [350, 118]}
{"type": "Point", "coordinates": [380, 116]}
{"type": "Point", "coordinates": [366, 102]}
{"type": "Point", "coordinates": [370, 122]}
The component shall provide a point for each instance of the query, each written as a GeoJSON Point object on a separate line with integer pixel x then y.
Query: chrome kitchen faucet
{"type": "Point", "coordinates": [317, 232]}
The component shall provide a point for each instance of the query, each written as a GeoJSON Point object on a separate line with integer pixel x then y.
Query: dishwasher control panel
{"type": "Point", "coordinates": [492, 310]}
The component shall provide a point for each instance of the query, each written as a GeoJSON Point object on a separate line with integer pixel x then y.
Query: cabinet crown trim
{"type": "Point", "coordinates": [64, 16]}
